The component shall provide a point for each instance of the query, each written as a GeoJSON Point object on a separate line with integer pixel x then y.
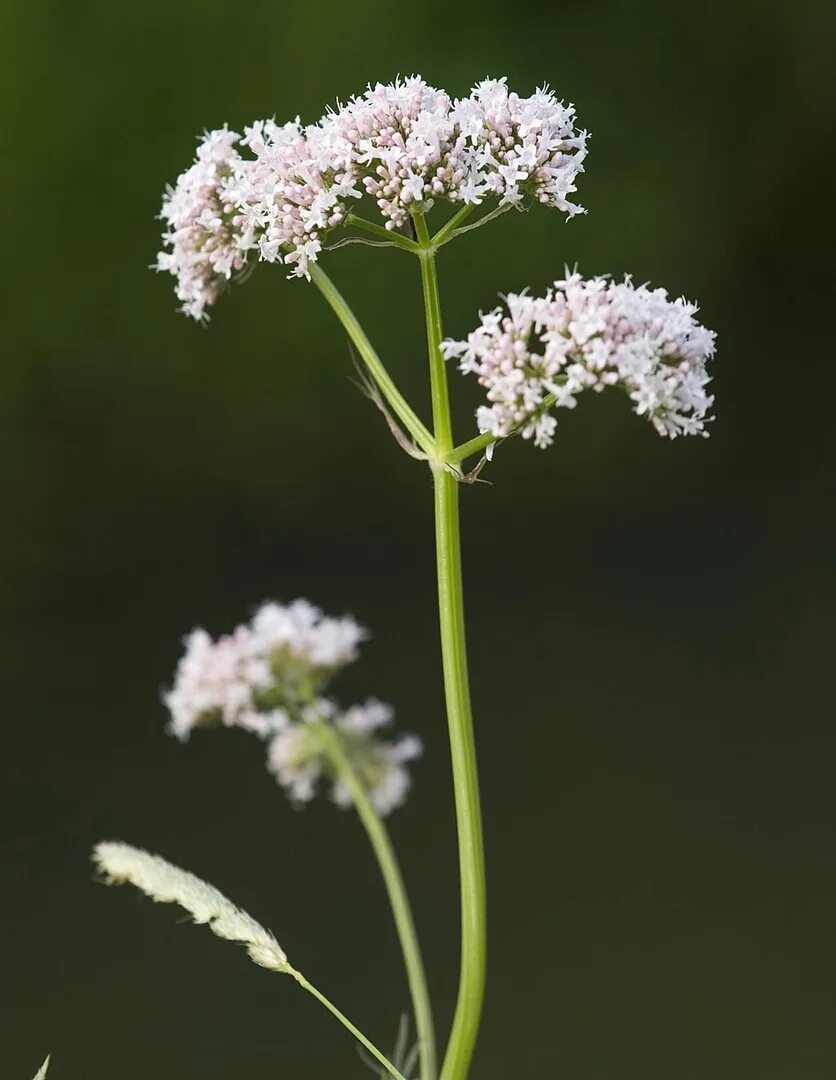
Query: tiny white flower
{"type": "Point", "coordinates": [412, 189]}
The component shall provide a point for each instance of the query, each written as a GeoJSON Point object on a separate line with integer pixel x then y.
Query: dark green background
{"type": "Point", "coordinates": [650, 623]}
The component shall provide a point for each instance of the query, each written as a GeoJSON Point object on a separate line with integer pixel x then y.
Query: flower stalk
{"type": "Point", "coordinates": [456, 691]}
{"type": "Point", "coordinates": [347, 1024]}
{"type": "Point", "coordinates": [400, 406]}
{"type": "Point", "coordinates": [392, 237]}
{"type": "Point", "coordinates": [398, 898]}
{"type": "Point", "coordinates": [465, 778]}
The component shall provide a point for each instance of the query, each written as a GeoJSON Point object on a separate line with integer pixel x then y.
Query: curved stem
{"type": "Point", "coordinates": [358, 1035]}
{"type": "Point", "coordinates": [446, 231]}
{"type": "Point", "coordinates": [478, 224]}
{"type": "Point", "coordinates": [381, 376]}
{"type": "Point", "coordinates": [457, 694]}
{"type": "Point", "coordinates": [396, 889]}
{"type": "Point", "coordinates": [390, 235]}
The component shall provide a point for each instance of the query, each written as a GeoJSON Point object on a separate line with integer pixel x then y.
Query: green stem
{"type": "Point", "coordinates": [358, 1035]}
{"type": "Point", "coordinates": [457, 694]}
{"type": "Point", "coordinates": [481, 442]}
{"type": "Point", "coordinates": [390, 235]}
{"type": "Point", "coordinates": [381, 376]}
{"type": "Point", "coordinates": [473, 446]}
{"type": "Point", "coordinates": [465, 778]}
{"type": "Point", "coordinates": [446, 231]}
{"type": "Point", "coordinates": [396, 889]}
{"type": "Point", "coordinates": [442, 426]}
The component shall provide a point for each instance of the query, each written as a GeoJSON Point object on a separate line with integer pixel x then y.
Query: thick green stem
{"type": "Point", "coordinates": [396, 889]}
{"type": "Point", "coordinates": [356, 1032]}
{"type": "Point", "coordinates": [442, 425]}
{"type": "Point", "coordinates": [465, 778]}
{"type": "Point", "coordinates": [381, 376]}
{"type": "Point", "coordinates": [457, 694]}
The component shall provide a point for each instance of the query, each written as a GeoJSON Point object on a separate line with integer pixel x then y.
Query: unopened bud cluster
{"type": "Point", "coordinates": [538, 353]}
{"type": "Point", "coordinates": [269, 677]}
{"type": "Point", "coordinates": [404, 144]}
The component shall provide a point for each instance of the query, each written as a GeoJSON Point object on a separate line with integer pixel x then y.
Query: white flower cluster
{"type": "Point", "coordinates": [244, 678]}
{"type": "Point", "coordinates": [294, 191]}
{"type": "Point", "coordinates": [520, 147]}
{"type": "Point", "coordinates": [297, 760]}
{"type": "Point", "coordinates": [207, 235]}
{"type": "Point", "coordinates": [405, 144]}
{"type": "Point", "coordinates": [267, 677]}
{"type": "Point", "coordinates": [168, 884]}
{"type": "Point", "coordinates": [540, 352]}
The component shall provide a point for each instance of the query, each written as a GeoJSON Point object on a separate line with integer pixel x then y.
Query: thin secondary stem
{"type": "Point", "coordinates": [381, 376]}
{"type": "Point", "coordinates": [457, 694]}
{"type": "Point", "coordinates": [473, 446]}
{"type": "Point", "coordinates": [481, 442]}
{"type": "Point", "coordinates": [477, 224]}
{"type": "Point", "coordinates": [396, 889]}
{"type": "Point", "coordinates": [446, 231]}
{"type": "Point", "coordinates": [358, 1035]}
{"type": "Point", "coordinates": [390, 235]}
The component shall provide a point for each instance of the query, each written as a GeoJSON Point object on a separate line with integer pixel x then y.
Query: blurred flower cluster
{"type": "Point", "coordinates": [269, 677]}
{"type": "Point", "coordinates": [538, 353]}
{"type": "Point", "coordinates": [405, 144]}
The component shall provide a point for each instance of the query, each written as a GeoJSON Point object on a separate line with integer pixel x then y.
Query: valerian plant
{"type": "Point", "coordinates": [288, 194]}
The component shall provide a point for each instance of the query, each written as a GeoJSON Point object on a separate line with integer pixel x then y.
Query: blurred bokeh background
{"type": "Point", "coordinates": [650, 623]}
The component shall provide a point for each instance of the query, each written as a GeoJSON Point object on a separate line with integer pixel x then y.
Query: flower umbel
{"type": "Point", "coordinates": [405, 144]}
{"type": "Point", "coordinates": [520, 147]}
{"type": "Point", "coordinates": [539, 353]}
{"type": "Point", "coordinates": [294, 192]}
{"type": "Point", "coordinates": [267, 677]}
{"type": "Point", "coordinates": [282, 658]}
{"type": "Point", "coordinates": [299, 757]}
{"type": "Point", "coordinates": [208, 235]}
